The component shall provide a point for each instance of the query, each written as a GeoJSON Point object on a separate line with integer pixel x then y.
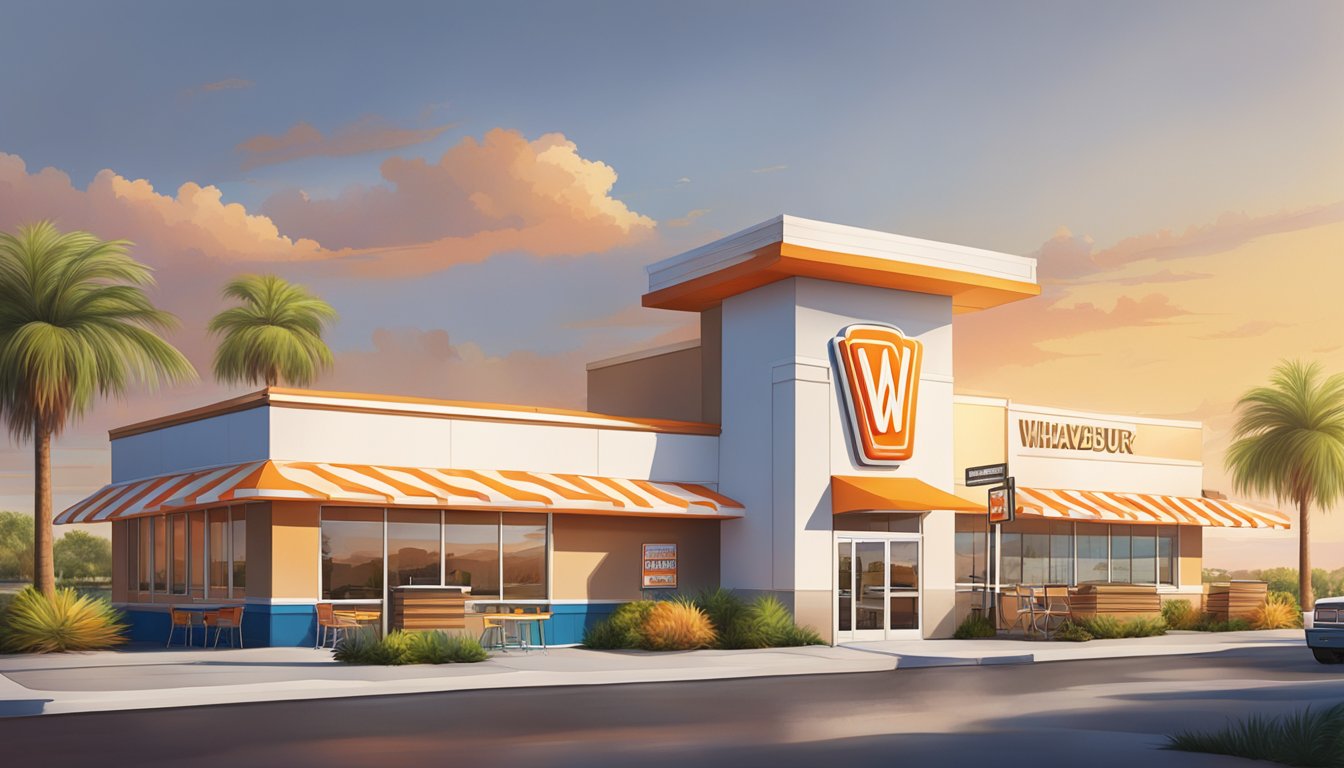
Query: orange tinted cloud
{"type": "Point", "coordinates": [368, 134]}
{"type": "Point", "coordinates": [502, 193]}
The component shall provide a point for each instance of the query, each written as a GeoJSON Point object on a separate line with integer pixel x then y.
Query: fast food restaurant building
{"type": "Point", "coordinates": [808, 445]}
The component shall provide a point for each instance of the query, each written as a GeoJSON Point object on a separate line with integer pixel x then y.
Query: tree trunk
{"type": "Point", "coordinates": [44, 572]}
{"type": "Point", "coordinates": [1304, 555]}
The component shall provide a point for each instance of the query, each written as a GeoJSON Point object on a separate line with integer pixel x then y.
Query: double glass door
{"type": "Point", "coordinates": [877, 587]}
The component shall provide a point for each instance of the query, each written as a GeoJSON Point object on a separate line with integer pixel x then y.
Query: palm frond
{"type": "Point", "coordinates": [274, 335]}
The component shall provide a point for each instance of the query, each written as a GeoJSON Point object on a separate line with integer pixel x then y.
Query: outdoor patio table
{"type": "Point", "coordinates": [518, 618]}
{"type": "Point", "coordinates": [198, 612]}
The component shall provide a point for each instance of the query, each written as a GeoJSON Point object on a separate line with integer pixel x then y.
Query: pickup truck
{"type": "Point", "coordinates": [1326, 637]}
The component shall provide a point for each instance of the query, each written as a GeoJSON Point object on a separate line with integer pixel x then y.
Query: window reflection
{"type": "Point", "coordinates": [412, 547]}
{"type": "Point", "coordinates": [524, 545]}
{"type": "Point", "coordinates": [471, 551]}
{"type": "Point", "coordinates": [352, 554]}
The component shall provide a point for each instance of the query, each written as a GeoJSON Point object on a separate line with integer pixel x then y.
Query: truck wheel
{"type": "Point", "coordinates": [1328, 655]}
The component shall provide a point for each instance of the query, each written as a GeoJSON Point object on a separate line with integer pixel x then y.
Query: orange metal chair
{"type": "Point", "coordinates": [229, 619]}
{"type": "Point", "coordinates": [179, 618]}
{"type": "Point", "coordinates": [331, 625]}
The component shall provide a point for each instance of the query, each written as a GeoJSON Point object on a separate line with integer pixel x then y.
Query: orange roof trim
{"type": "Point", "coordinates": [780, 260]}
{"type": "Point", "coordinates": [401, 487]}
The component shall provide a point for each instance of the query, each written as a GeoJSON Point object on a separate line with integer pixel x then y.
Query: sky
{"type": "Point", "coordinates": [477, 188]}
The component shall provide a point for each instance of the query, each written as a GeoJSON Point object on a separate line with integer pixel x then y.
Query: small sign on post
{"type": "Point", "coordinates": [1003, 503]}
{"type": "Point", "coordinates": [986, 474]}
{"type": "Point", "coordinates": [660, 566]}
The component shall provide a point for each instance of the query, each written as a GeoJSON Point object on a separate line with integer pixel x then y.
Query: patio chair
{"type": "Point", "coordinates": [1024, 612]}
{"type": "Point", "coordinates": [329, 625]}
{"type": "Point", "coordinates": [179, 618]}
{"type": "Point", "coordinates": [230, 619]}
{"type": "Point", "coordinates": [1054, 604]}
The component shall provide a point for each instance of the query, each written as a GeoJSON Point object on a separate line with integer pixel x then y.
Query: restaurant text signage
{"type": "Point", "coordinates": [1041, 433]}
{"type": "Point", "coordinates": [986, 474]}
{"type": "Point", "coordinates": [660, 566]}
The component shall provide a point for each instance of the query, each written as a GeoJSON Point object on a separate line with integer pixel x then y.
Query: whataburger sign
{"type": "Point", "coordinates": [879, 372]}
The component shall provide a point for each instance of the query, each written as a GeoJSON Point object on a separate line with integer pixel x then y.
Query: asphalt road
{"type": "Point", "coordinates": [1112, 712]}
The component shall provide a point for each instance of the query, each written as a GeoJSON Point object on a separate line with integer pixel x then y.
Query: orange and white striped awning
{"type": "Point", "coordinates": [1111, 507]}
{"type": "Point", "coordinates": [401, 486]}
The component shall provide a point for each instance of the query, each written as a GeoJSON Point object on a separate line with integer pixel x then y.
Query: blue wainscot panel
{"type": "Point", "coordinates": [568, 622]}
{"type": "Point", "coordinates": [263, 625]}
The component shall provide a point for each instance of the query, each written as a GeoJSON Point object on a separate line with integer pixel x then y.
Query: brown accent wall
{"type": "Point", "coordinates": [665, 386]}
{"type": "Point", "coordinates": [711, 365]}
{"type": "Point", "coordinates": [600, 558]}
{"type": "Point", "coordinates": [1191, 555]}
{"type": "Point", "coordinates": [259, 550]}
{"type": "Point", "coordinates": [296, 543]}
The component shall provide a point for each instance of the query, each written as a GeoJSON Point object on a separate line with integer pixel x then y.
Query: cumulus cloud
{"type": "Point", "coordinates": [368, 134]}
{"type": "Point", "coordinates": [502, 193]}
{"type": "Point", "coordinates": [685, 221]}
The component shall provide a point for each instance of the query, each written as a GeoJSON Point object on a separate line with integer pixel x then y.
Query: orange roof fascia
{"type": "Point", "coordinates": [861, 493]}
{"type": "Point", "coordinates": [778, 261]}
{"type": "Point", "coordinates": [263, 397]}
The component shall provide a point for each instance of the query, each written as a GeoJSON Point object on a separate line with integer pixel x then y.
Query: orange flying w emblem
{"type": "Point", "coordinates": [880, 369]}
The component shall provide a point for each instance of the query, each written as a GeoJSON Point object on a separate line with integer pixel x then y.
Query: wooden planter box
{"type": "Point", "coordinates": [1123, 601]}
{"type": "Point", "coordinates": [1235, 599]}
{"type": "Point", "coordinates": [421, 608]}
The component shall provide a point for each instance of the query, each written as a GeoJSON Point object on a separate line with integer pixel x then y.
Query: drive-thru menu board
{"type": "Point", "coordinates": [660, 566]}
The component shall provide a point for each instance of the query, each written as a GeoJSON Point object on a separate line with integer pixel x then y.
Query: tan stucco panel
{"type": "Point", "coordinates": [296, 538]}
{"type": "Point", "coordinates": [1166, 442]}
{"type": "Point", "coordinates": [1191, 551]}
{"type": "Point", "coordinates": [980, 436]}
{"type": "Point", "coordinates": [666, 386]}
{"type": "Point", "coordinates": [600, 558]}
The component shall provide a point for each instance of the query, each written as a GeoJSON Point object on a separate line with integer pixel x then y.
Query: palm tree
{"type": "Point", "coordinates": [1288, 443]}
{"type": "Point", "coordinates": [275, 335]}
{"type": "Point", "coordinates": [75, 323]}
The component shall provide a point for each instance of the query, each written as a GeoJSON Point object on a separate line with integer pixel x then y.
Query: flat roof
{"type": "Point", "coordinates": [413, 406]}
{"type": "Point", "coordinates": [790, 246]}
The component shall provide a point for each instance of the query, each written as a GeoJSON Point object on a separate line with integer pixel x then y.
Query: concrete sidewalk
{"type": "Point", "coordinates": [147, 678]}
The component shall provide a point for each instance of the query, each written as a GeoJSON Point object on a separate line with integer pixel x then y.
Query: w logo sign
{"type": "Point", "coordinates": [880, 374]}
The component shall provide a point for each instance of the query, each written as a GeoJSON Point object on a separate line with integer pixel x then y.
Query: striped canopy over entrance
{"type": "Point", "coordinates": [1102, 506]}
{"type": "Point", "coordinates": [401, 486]}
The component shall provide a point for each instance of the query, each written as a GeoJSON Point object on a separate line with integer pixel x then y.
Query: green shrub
{"type": "Point", "coordinates": [364, 646]}
{"type": "Point", "coordinates": [1107, 627]}
{"type": "Point", "coordinates": [799, 636]}
{"type": "Point", "coordinates": [1276, 615]}
{"type": "Point", "coordinates": [68, 621]}
{"type": "Point", "coordinates": [766, 622]}
{"type": "Point", "coordinates": [1286, 598]}
{"type": "Point", "coordinates": [439, 647]}
{"type": "Point", "coordinates": [1180, 614]}
{"type": "Point", "coordinates": [725, 610]}
{"type": "Point", "coordinates": [1209, 624]}
{"type": "Point", "coordinates": [623, 629]}
{"type": "Point", "coordinates": [1072, 633]}
{"type": "Point", "coordinates": [674, 625]}
{"type": "Point", "coordinates": [1307, 738]}
{"type": "Point", "coordinates": [975, 626]}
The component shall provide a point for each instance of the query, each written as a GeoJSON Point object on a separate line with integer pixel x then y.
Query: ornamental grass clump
{"type": "Point", "coordinates": [1070, 632]}
{"type": "Point", "coordinates": [674, 625]}
{"type": "Point", "coordinates": [1276, 614]}
{"type": "Point", "coordinates": [975, 627]}
{"type": "Point", "coordinates": [1181, 615]}
{"type": "Point", "coordinates": [1107, 627]}
{"type": "Point", "coordinates": [623, 629]}
{"type": "Point", "coordinates": [364, 646]}
{"type": "Point", "coordinates": [67, 621]}
{"type": "Point", "coordinates": [725, 610]}
{"type": "Point", "coordinates": [1306, 738]}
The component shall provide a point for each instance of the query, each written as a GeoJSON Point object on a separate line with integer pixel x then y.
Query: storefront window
{"type": "Point", "coordinates": [132, 531]}
{"type": "Point", "coordinates": [970, 549]}
{"type": "Point", "coordinates": [1093, 553]}
{"type": "Point", "coordinates": [471, 551]}
{"type": "Point", "coordinates": [412, 547]}
{"type": "Point", "coordinates": [1166, 554]}
{"type": "Point", "coordinates": [218, 521]}
{"type": "Point", "coordinates": [1011, 559]}
{"type": "Point", "coordinates": [178, 552]}
{"type": "Point", "coordinates": [1120, 569]}
{"type": "Point", "coordinates": [1143, 555]}
{"type": "Point", "coordinates": [524, 546]}
{"type": "Point", "coordinates": [149, 558]}
{"type": "Point", "coordinates": [352, 554]}
{"type": "Point", "coordinates": [1061, 553]}
{"type": "Point", "coordinates": [1035, 558]}
{"type": "Point", "coordinates": [196, 553]}
{"type": "Point", "coordinates": [238, 551]}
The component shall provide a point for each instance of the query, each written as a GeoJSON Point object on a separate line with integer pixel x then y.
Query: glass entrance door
{"type": "Point", "coordinates": [877, 587]}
